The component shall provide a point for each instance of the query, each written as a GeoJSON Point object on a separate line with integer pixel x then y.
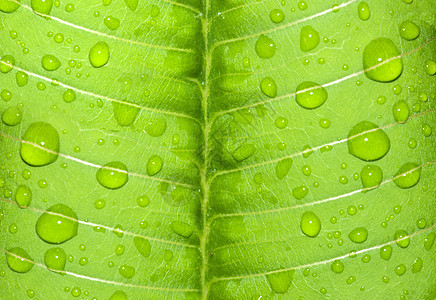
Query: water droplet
{"type": "Point", "coordinates": [243, 152]}
{"type": "Point", "coordinates": [281, 122]}
{"type": "Point", "coordinates": [282, 167]}
{"type": "Point", "coordinates": [19, 260]}
{"type": "Point", "coordinates": [310, 224]}
{"type": "Point", "coordinates": [408, 179]}
{"type": "Point", "coordinates": [8, 6]}
{"type": "Point", "coordinates": [55, 259]}
{"type": "Point", "coordinates": [142, 201]}
{"type": "Point", "coordinates": [309, 38]}
{"type": "Point", "coordinates": [76, 292]}
{"type": "Point", "coordinates": [300, 192]}
{"type": "Point", "coordinates": [112, 175]}
{"type": "Point", "coordinates": [417, 265]}
{"type": "Point", "coordinates": [7, 63]}
{"type": "Point", "coordinates": [21, 78]}
{"type": "Point", "coordinates": [350, 280]}
{"type": "Point", "coordinates": [429, 241]}
{"type": "Point", "coordinates": [280, 281]}
{"type": "Point", "coordinates": [265, 47]}
{"type": "Point", "coordinates": [57, 225]}
{"type": "Point", "coordinates": [126, 271]}
{"type": "Point", "coordinates": [111, 22]}
{"type": "Point", "coordinates": [363, 11]}
{"type": "Point", "coordinates": [366, 258]}
{"type": "Point", "coordinates": [337, 266]}
{"type": "Point", "coordinates": [156, 127]}
{"type": "Point", "coordinates": [154, 165]}
{"type": "Point", "coordinates": [181, 228]}
{"type": "Point", "coordinates": [381, 60]}
{"type": "Point", "coordinates": [371, 176]}
{"type": "Point", "coordinates": [42, 6]}
{"type": "Point", "coordinates": [23, 196]}
{"type": "Point", "coordinates": [430, 67]}
{"type": "Point", "coordinates": [40, 144]}
{"type": "Point", "coordinates": [118, 295]}
{"type": "Point", "coordinates": [277, 15]}
{"type": "Point", "coordinates": [99, 54]}
{"type": "Point", "coordinates": [269, 87]}
{"type": "Point", "coordinates": [367, 141]}
{"type": "Point", "coordinates": [386, 252]}
{"type": "Point", "coordinates": [142, 245]}
{"type": "Point", "coordinates": [426, 130]}
{"type": "Point", "coordinates": [310, 95]}
{"type": "Point", "coordinates": [12, 116]}
{"type": "Point", "coordinates": [409, 30]}
{"type": "Point", "coordinates": [401, 111]}
{"type": "Point", "coordinates": [125, 114]}
{"type": "Point", "coordinates": [400, 269]}
{"type": "Point", "coordinates": [302, 5]}
{"type": "Point", "coordinates": [358, 235]}
{"type": "Point", "coordinates": [69, 96]}
{"type": "Point", "coordinates": [401, 238]}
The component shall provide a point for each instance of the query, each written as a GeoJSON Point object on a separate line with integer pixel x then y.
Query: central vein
{"type": "Point", "coordinates": [204, 170]}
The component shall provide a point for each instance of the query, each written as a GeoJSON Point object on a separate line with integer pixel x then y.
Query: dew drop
{"type": "Point", "coordinates": [300, 192]}
{"type": "Point", "coordinates": [371, 176]}
{"type": "Point", "coordinates": [21, 78]}
{"type": "Point", "coordinates": [126, 271]}
{"type": "Point", "coordinates": [111, 22]}
{"type": "Point", "coordinates": [12, 116]}
{"type": "Point", "coordinates": [55, 259]}
{"type": "Point", "coordinates": [280, 281]}
{"type": "Point", "coordinates": [401, 111]}
{"type": "Point", "coordinates": [57, 225]}
{"type": "Point", "coordinates": [181, 228]}
{"type": "Point", "coordinates": [429, 241]}
{"type": "Point", "coordinates": [7, 62]}
{"type": "Point", "coordinates": [118, 295]}
{"type": "Point", "coordinates": [243, 152]}
{"type": "Point", "coordinates": [99, 54]}
{"type": "Point", "coordinates": [69, 96]}
{"type": "Point", "coordinates": [265, 47]}
{"type": "Point", "coordinates": [417, 265]}
{"type": "Point", "coordinates": [42, 6]}
{"type": "Point", "coordinates": [430, 67]}
{"type": "Point", "coordinates": [277, 15]}
{"type": "Point", "coordinates": [408, 178]}
{"type": "Point", "coordinates": [269, 87]}
{"type": "Point", "coordinates": [40, 144]}
{"type": "Point", "coordinates": [19, 260]}
{"type": "Point", "coordinates": [283, 167]}
{"type": "Point", "coordinates": [8, 6]}
{"type": "Point", "coordinates": [401, 238]}
{"type": "Point", "coordinates": [112, 175]}
{"type": "Point", "coordinates": [310, 95]}
{"type": "Point", "coordinates": [386, 252]}
{"type": "Point", "coordinates": [156, 127]}
{"type": "Point", "coordinates": [142, 245]}
{"type": "Point", "coordinates": [154, 165]}
{"type": "Point", "coordinates": [358, 235]}
{"type": "Point", "coordinates": [337, 266]}
{"type": "Point", "coordinates": [381, 60]}
{"type": "Point", "coordinates": [310, 224]}
{"type": "Point", "coordinates": [309, 38]}
{"type": "Point", "coordinates": [363, 11]}
{"type": "Point", "coordinates": [367, 141]}
{"type": "Point", "coordinates": [408, 30]}
{"type": "Point", "coordinates": [125, 114]}
{"type": "Point", "coordinates": [23, 196]}
{"type": "Point", "coordinates": [400, 269]}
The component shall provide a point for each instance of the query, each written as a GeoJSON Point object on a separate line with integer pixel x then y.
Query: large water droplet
{"type": "Point", "coordinates": [40, 144]}
{"type": "Point", "coordinates": [113, 175]}
{"type": "Point", "coordinates": [42, 6]}
{"type": "Point", "coordinates": [358, 235]}
{"type": "Point", "coordinates": [99, 54]}
{"type": "Point", "coordinates": [142, 245]}
{"type": "Point", "coordinates": [309, 38]}
{"type": "Point", "coordinates": [125, 114]}
{"type": "Point", "coordinates": [401, 238]}
{"type": "Point", "coordinates": [23, 196]}
{"type": "Point", "coordinates": [367, 141]}
{"type": "Point", "coordinates": [282, 168]}
{"type": "Point", "coordinates": [337, 266]}
{"type": "Point", "coordinates": [55, 259]}
{"type": "Point", "coordinates": [21, 78]}
{"type": "Point", "coordinates": [181, 228]}
{"type": "Point", "coordinates": [243, 152]}
{"type": "Point", "coordinates": [310, 224]}
{"type": "Point", "coordinates": [156, 127]}
{"type": "Point", "coordinates": [409, 30]}
{"type": "Point", "coordinates": [131, 4]}
{"type": "Point", "coordinates": [57, 225]}
{"type": "Point", "coordinates": [386, 252]}
{"type": "Point", "coordinates": [429, 241]}
{"type": "Point", "coordinates": [50, 62]}
{"type": "Point", "coordinates": [269, 87]}
{"type": "Point", "coordinates": [371, 176]}
{"type": "Point", "coordinates": [280, 281]}
{"type": "Point", "coordinates": [111, 22]}
{"type": "Point", "coordinates": [126, 271]}
{"type": "Point", "coordinates": [417, 265]}
{"type": "Point", "coordinates": [277, 15]}
{"type": "Point", "coordinates": [8, 6]}
{"type": "Point", "coordinates": [381, 60]}
{"type": "Point", "coordinates": [19, 260]}
{"type": "Point", "coordinates": [400, 269]}
{"type": "Point", "coordinates": [12, 116]}
{"type": "Point", "coordinates": [310, 95]}
{"type": "Point", "coordinates": [118, 295]}
{"type": "Point", "coordinates": [409, 178]}
{"type": "Point", "coordinates": [363, 11]}
{"type": "Point", "coordinates": [300, 192]}
{"type": "Point", "coordinates": [401, 111]}
{"type": "Point", "coordinates": [7, 63]}
{"type": "Point", "coordinates": [154, 165]}
{"type": "Point", "coordinates": [265, 47]}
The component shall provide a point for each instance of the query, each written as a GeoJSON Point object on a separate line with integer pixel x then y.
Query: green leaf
{"type": "Point", "coordinates": [217, 149]}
